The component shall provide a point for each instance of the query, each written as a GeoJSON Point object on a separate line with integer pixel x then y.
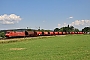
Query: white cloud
{"type": "Point", "coordinates": [77, 23]}
{"type": "Point", "coordinates": [80, 22]}
{"type": "Point", "coordinates": [59, 25]}
{"type": "Point", "coordinates": [7, 22]}
{"type": "Point", "coordinates": [9, 19]}
{"type": "Point", "coordinates": [70, 17]}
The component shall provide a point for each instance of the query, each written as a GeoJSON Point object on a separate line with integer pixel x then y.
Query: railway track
{"type": "Point", "coordinates": [8, 40]}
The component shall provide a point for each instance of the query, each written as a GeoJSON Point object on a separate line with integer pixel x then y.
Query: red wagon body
{"type": "Point", "coordinates": [38, 33]}
{"type": "Point", "coordinates": [56, 33]}
{"type": "Point", "coordinates": [60, 33]}
{"type": "Point", "coordinates": [51, 33]}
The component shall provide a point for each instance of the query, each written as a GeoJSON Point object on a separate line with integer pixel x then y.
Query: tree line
{"type": "Point", "coordinates": [71, 29]}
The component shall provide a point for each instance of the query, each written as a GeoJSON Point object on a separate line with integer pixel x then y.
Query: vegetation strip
{"type": "Point", "coordinates": [22, 39]}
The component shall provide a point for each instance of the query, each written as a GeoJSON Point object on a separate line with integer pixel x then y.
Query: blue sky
{"type": "Point", "coordinates": [46, 14]}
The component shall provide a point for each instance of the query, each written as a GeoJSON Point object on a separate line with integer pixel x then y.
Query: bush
{"type": "Point", "coordinates": [2, 34]}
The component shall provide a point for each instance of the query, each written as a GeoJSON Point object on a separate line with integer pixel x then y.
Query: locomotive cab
{"type": "Point", "coordinates": [8, 34]}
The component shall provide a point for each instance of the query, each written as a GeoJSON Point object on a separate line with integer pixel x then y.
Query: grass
{"type": "Point", "coordinates": [71, 47]}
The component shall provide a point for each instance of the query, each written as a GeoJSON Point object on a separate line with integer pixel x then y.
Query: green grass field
{"type": "Point", "coordinates": [71, 47]}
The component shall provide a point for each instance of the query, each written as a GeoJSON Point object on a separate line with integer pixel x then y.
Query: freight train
{"type": "Point", "coordinates": [10, 34]}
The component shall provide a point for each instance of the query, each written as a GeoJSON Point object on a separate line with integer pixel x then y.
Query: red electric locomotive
{"type": "Point", "coordinates": [14, 34]}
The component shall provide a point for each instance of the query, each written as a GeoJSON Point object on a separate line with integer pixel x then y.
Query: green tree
{"type": "Point", "coordinates": [61, 30]}
{"type": "Point", "coordinates": [67, 29]}
{"type": "Point", "coordinates": [76, 30]}
{"type": "Point", "coordinates": [86, 29]}
{"type": "Point", "coordinates": [56, 29]}
{"type": "Point", "coordinates": [2, 34]}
